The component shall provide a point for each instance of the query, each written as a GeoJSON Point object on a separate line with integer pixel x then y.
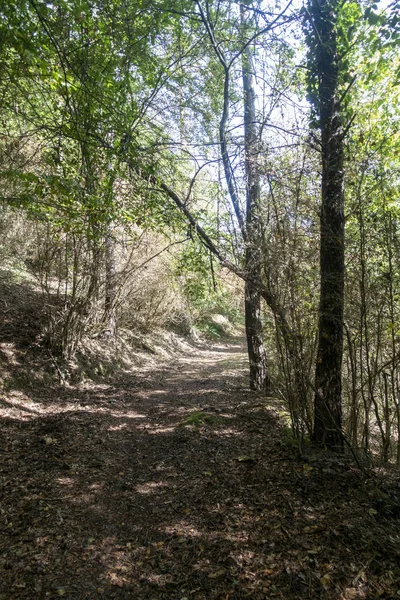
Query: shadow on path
{"type": "Point", "coordinates": [175, 484]}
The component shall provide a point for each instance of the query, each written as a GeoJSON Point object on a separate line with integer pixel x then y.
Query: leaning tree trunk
{"type": "Point", "coordinates": [328, 378]}
{"type": "Point", "coordinates": [259, 378]}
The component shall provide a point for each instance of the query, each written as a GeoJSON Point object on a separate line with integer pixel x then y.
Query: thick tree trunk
{"type": "Point", "coordinates": [259, 378]}
{"type": "Point", "coordinates": [328, 378]}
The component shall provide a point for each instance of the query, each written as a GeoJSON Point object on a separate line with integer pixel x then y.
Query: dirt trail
{"type": "Point", "coordinates": [175, 484]}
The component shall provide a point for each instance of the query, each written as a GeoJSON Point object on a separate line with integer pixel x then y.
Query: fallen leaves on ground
{"type": "Point", "coordinates": [138, 491]}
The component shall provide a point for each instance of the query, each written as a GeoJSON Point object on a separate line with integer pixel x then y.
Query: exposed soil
{"type": "Point", "coordinates": [178, 482]}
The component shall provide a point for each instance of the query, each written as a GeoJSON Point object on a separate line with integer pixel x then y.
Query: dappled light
{"type": "Point", "coordinates": [67, 481]}
{"type": "Point", "coordinates": [199, 300]}
{"type": "Point", "coordinates": [150, 487]}
{"type": "Point", "coordinates": [194, 497]}
{"type": "Point", "coordinates": [157, 429]}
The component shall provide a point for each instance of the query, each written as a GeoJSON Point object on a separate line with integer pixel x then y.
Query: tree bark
{"type": "Point", "coordinates": [110, 319]}
{"type": "Point", "coordinates": [328, 377]}
{"type": "Point", "coordinates": [259, 377]}
{"type": "Point", "coordinates": [249, 223]}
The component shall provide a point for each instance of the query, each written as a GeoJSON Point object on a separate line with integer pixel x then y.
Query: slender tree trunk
{"type": "Point", "coordinates": [259, 378]}
{"type": "Point", "coordinates": [328, 378]}
{"type": "Point", "coordinates": [110, 319]}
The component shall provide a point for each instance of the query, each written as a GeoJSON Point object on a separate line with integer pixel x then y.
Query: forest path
{"type": "Point", "coordinates": [175, 484]}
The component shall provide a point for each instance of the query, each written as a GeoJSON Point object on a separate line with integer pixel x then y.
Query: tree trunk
{"type": "Point", "coordinates": [110, 319]}
{"type": "Point", "coordinates": [250, 223]}
{"type": "Point", "coordinates": [328, 378]}
{"type": "Point", "coordinates": [259, 377]}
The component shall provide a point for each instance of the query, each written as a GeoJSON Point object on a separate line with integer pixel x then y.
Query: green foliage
{"type": "Point", "coordinates": [198, 419]}
{"type": "Point", "coordinates": [95, 86]}
{"type": "Point", "coordinates": [193, 267]}
{"type": "Point", "coordinates": [341, 23]}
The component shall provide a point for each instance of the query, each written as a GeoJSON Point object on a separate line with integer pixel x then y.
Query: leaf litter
{"type": "Point", "coordinates": [178, 486]}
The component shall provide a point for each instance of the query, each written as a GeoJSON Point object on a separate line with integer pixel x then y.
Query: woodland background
{"type": "Point", "coordinates": [162, 163]}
